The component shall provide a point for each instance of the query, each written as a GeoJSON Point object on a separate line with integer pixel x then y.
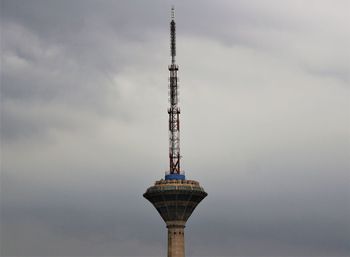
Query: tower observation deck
{"type": "Point", "coordinates": [175, 198]}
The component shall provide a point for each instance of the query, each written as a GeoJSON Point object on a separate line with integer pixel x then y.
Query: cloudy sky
{"type": "Point", "coordinates": [265, 99]}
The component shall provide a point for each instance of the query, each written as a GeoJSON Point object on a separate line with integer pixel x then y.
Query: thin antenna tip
{"type": "Point", "coordinates": [172, 12]}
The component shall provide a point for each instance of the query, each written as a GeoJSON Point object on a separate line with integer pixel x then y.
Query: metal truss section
{"type": "Point", "coordinates": [173, 110]}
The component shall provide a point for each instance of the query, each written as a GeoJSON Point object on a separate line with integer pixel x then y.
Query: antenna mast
{"type": "Point", "coordinates": [173, 110]}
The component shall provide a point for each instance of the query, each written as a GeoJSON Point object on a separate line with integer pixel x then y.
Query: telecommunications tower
{"type": "Point", "coordinates": [174, 197]}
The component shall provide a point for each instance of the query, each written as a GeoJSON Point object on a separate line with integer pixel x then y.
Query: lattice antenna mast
{"type": "Point", "coordinates": [173, 110]}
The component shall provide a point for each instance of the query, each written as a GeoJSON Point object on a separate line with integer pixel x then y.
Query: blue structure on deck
{"type": "Point", "coordinates": [174, 176]}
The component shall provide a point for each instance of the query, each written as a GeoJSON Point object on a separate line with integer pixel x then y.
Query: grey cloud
{"type": "Point", "coordinates": [264, 97]}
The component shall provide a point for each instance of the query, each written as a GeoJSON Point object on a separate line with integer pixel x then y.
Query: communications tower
{"type": "Point", "coordinates": [175, 197]}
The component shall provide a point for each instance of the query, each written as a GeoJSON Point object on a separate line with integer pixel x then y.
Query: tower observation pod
{"type": "Point", "coordinates": [174, 197]}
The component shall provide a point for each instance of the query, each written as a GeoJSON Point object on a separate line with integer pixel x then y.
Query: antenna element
{"type": "Point", "coordinates": [173, 110]}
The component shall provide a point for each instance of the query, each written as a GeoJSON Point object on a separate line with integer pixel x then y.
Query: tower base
{"type": "Point", "coordinates": [176, 239]}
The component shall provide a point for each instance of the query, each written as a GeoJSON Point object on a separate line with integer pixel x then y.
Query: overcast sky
{"type": "Point", "coordinates": [265, 99]}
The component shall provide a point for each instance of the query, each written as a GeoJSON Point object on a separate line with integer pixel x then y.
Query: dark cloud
{"type": "Point", "coordinates": [265, 98]}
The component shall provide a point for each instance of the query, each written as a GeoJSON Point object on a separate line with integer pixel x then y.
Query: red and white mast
{"type": "Point", "coordinates": [173, 110]}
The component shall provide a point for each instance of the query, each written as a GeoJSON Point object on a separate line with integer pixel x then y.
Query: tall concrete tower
{"type": "Point", "coordinates": [174, 197]}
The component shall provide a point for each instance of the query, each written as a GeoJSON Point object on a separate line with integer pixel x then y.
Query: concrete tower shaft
{"type": "Point", "coordinates": [176, 241]}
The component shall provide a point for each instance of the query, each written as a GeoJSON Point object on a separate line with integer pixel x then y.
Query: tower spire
{"type": "Point", "coordinates": [173, 35]}
{"type": "Point", "coordinates": [173, 110]}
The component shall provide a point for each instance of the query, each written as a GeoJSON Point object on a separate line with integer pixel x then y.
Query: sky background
{"type": "Point", "coordinates": [265, 99]}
